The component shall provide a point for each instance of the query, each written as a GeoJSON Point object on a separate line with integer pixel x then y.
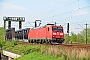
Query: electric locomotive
{"type": "Point", "coordinates": [50, 33]}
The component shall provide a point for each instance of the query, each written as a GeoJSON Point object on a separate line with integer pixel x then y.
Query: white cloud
{"type": "Point", "coordinates": [76, 29]}
{"type": "Point", "coordinates": [11, 6]}
{"type": "Point", "coordinates": [80, 12]}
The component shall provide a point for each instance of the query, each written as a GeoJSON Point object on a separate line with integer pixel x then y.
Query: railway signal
{"type": "Point", "coordinates": [68, 31]}
{"type": "Point", "coordinates": [67, 27]}
{"type": "Point", "coordinates": [20, 24]}
{"type": "Point", "coordinates": [15, 19]}
{"type": "Point", "coordinates": [9, 24]}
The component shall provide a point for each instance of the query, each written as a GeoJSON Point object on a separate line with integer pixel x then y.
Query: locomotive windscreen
{"type": "Point", "coordinates": [60, 29]}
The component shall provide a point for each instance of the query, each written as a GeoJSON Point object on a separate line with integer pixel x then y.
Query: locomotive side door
{"type": "Point", "coordinates": [47, 32]}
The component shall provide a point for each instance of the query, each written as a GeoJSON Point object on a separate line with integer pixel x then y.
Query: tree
{"type": "Point", "coordinates": [66, 37]}
{"type": "Point", "coordinates": [73, 37]}
{"type": "Point", "coordinates": [82, 36]}
{"type": "Point", "coordinates": [2, 35]}
{"type": "Point", "coordinates": [79, 38]}
{"type": "Point", "coordinates": [88, 35]}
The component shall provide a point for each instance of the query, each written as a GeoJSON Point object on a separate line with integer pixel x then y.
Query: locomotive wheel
{"type": "Point", "coordinates": [51, 42]}
{"type": "Point", "coordinates": [44, 41]}
{"type": "Point", "coordinates": [47, 41]}
{"type": "Point", "coordinates": [29, 41]}
{"type": "Point", "coordinates": [34, 41]}
{"type": "Point", "coordinates": [37, 41]}
{"type": "Point", "coordinates": [41, 41]}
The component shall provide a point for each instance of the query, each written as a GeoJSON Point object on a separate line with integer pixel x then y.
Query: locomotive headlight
{"type": "Point", "coordinates": [53, 36]}
{"type": "Point", "coordinates": [54, 33]}
{"type": "Point", "coordinates": [61, 33]}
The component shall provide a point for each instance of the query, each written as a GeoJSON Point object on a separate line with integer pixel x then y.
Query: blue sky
{"type": "Point", "coordinates": [76, 12]}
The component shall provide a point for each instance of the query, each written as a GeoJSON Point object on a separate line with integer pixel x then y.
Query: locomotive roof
{"type": "Point", "coordinates": [47, 25]}
{"type": "Point", "coordinates": [50, 24]}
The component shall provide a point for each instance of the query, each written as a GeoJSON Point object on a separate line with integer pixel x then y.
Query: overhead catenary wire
{"type": "Point", "coordinates": [56, 9]}
{"type": "Point", "coordinates": [30, 24]}
{"type": "Point", "coordinates": [67, 12]}
{"type": "Point", "coordinates": [74, 16]}
{"type": "Point", "coordinates": [71, 12]}
{"type": "Point", "coordinates": [79, 8]}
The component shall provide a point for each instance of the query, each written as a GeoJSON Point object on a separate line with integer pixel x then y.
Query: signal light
{"type": "Point", "coordinates": [20, 24]}
{"type": "Point", "coordinates": [67, 27]}
{"type": "Point", "coordinates": [9, 24]}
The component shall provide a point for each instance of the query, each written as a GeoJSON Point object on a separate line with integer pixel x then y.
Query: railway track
{"type": "Point", "coordinates": [64, 45]}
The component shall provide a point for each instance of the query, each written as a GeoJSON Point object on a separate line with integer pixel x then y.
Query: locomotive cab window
{"type": "Point", "coordinates": [57, 29]}
{"type": "Point", "coordinates": [60, 29]}
{"type": "Point", "coordinates": [54, 28]}
{"type": "Point", "coordinates": [48, 28]}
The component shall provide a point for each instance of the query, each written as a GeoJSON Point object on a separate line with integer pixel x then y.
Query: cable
{"type": "Point", "coordinates": [66, 12]}
{"type": "Point", "coordinates": [75, 16]}
{"type": "Point", "coordinates": [30, 24]}
{"type": "Point", "coordinates": [80, 26]}
{"type": "Point", "coordinates": [57, 8]}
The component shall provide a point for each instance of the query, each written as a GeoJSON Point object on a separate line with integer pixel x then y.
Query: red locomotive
{"type": "Point", "coordinates": [47, 34]}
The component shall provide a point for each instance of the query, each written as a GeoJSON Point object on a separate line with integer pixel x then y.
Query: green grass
{"type": "Point", "coordinates": [30, 52]}
{"type": "Point", "coordinates": [22, 49]}
{"type": "Point", "coordinates": [35, 52]}
{"type": "Point", "coordinates": [38, 56]}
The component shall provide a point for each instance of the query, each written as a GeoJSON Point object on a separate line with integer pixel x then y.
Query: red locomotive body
{"type": "Point", "coordinates": [49, 33]}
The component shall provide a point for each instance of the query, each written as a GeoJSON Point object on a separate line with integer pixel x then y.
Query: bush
{"type": "Point", "coordinates": [25, 49]}
{"type": "Point", "coordinates": [7, 45]}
